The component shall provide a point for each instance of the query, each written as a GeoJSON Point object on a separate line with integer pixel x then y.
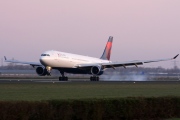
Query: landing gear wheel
{"type": "Point", "coordinates": [63, 78]}
{"type": "Point", "coordinates": [94, 78]}
{"type": "Point", "coordinates": [48, 74]}
{"type": "Point", "coordinates": [66, 78]}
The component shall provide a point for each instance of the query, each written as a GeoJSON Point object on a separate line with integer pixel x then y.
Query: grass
{"type": "Point", "coordinates": [84, 90]}
{"type": "Point", "coordinates": [21, 100]}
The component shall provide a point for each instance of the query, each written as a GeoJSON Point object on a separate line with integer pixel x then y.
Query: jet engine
{"type": "Point", "coordinates": [41, 71]}
{"type": "Point", "coordinates": [96, 70]}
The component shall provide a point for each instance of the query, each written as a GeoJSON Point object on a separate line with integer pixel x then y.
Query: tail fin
{"type": "Point", "coordinates": [107, 51]}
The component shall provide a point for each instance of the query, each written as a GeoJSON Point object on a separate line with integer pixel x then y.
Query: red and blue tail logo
{"type": "Point", "coordinates": [107, 51]}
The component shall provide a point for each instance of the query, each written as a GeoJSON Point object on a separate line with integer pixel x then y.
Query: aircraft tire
{"type": "Point", "coordinates": [63, 78]}
{"type": "Point", "coordinates": [94, 78]}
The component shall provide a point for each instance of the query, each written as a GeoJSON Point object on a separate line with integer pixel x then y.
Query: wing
{"type": "Point", "coordinates": [123, 64]}
{"type": "Point", "coordinates": [23, 62]}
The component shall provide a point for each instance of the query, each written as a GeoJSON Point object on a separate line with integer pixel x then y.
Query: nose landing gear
{"type": "Point", "coordinates": [48, 70]}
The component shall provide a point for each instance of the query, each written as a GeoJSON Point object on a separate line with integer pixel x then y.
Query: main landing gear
{"type": "Point", "coordinates": [63, 78]}
{"type": "Point", "coordinates": [94, 78]}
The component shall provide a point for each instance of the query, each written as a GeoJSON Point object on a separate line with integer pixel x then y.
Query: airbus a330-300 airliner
{"type": "Point", "coordinates": [78, 64]}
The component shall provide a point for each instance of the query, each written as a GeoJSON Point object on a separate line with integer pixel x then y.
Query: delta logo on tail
{"type": "Point", "coordinates": [107, 51]}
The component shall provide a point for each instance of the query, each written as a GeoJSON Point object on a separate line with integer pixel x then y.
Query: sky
{"type": "Point", "coordinates": [142, 29]}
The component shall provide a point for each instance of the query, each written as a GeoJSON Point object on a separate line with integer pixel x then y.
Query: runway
{"type": "Point", "coordinates": [87, 81]}
{"type": "Point", "coordinates": [43, 89]}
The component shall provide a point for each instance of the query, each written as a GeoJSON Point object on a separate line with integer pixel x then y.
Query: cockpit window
{"type": "Point", "coordinates": [45, 55]}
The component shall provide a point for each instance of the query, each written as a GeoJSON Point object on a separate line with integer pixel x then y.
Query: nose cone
{"type": "Point", "coordinates": [43, 61]}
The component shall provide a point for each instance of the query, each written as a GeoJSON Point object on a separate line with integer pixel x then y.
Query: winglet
{"type": "Point", "coordinates": [176, 56]}
{"type": "Point", "coordinates": [5, 58]}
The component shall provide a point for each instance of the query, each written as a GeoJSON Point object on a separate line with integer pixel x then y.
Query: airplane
{"type": "Point", "coordinates": [79, 64]}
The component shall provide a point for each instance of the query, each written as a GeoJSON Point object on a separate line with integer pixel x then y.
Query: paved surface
{"type": "Point", "coordinates": [83, 80]}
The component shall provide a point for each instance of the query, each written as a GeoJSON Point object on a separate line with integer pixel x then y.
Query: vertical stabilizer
{"type": "Point", "coordinates": [107, 51]}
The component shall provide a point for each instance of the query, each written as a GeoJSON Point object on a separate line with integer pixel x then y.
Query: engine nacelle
{"type": "Point", "coordinates": [41, 71]}
{"type": "Point", "coordinates": [96, 70]}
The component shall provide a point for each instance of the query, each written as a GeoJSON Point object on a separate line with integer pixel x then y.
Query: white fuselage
{"type": "Point", "coordinates": [56, 59]}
